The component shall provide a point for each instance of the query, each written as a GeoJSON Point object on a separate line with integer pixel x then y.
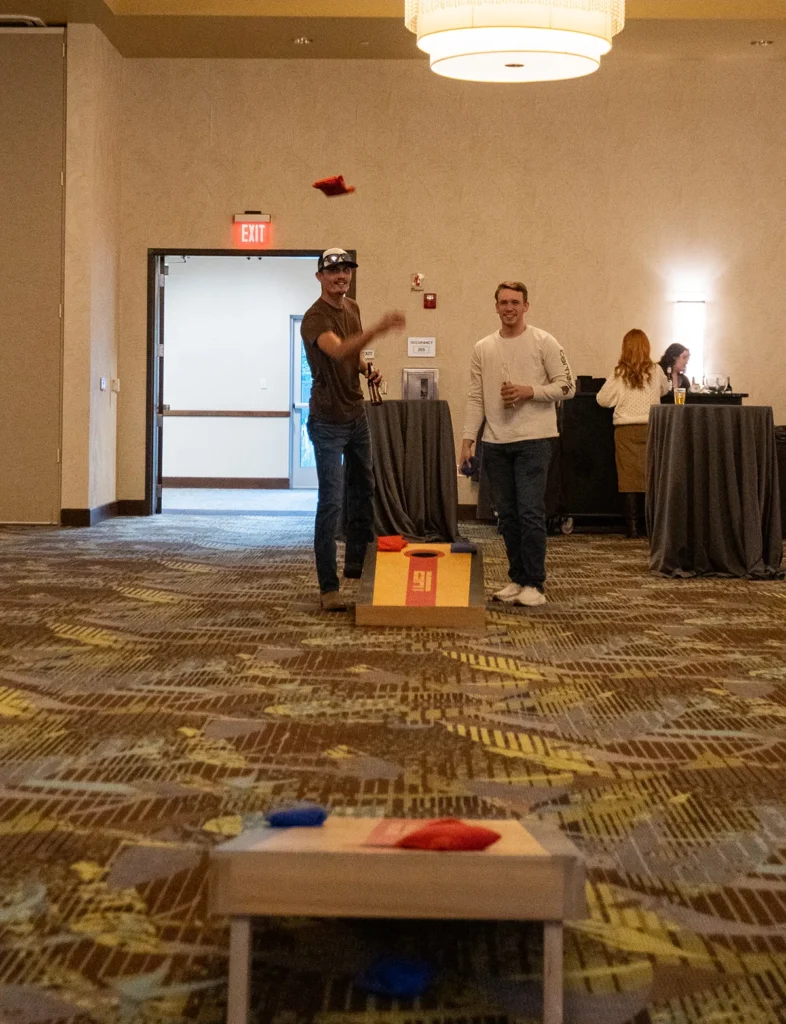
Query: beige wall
{"type": "Point", "coordinates": [604, 195]}
{"type": "Point", "coordinates": [92, 230]}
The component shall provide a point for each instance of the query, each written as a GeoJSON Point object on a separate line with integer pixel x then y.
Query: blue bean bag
{"type": "Point", "coordinates": [300, 815]}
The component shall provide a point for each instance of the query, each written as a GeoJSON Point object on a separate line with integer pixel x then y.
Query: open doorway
{"type": "Point", "coordinates": [228, 381]}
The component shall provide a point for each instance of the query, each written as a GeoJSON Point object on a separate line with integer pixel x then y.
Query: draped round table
{"type": "Point", "coordinates": [414, 469]}
{"type": "Point", "coordinates": [713, 503]}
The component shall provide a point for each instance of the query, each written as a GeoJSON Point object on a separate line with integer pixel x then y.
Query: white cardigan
{"type": "Point", "coordinates": [632, 405]}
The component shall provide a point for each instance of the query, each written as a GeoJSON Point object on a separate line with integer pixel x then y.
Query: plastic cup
{"type": "Point", "coordinates": [679, 396]}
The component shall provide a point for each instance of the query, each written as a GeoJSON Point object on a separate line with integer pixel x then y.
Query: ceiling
{"type": "Point", "coordinates": [374, 29]}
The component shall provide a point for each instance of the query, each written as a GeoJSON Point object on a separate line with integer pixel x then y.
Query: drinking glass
{"type": "Point", "coordinates": [679, 396]}
{"type": "Point", "coordinates": [506, 371]}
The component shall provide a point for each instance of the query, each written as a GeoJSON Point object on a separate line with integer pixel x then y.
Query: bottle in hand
{"type": "Point", "coordinates": [374, 393]}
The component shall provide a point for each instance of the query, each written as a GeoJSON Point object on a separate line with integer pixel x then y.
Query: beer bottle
{"type": "Point", "coordinates": [373, 388]}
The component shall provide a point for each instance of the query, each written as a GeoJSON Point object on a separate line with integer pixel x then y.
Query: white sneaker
{"type": "Point", "coordinates": [530, 597]}
{"type": "Point", "coordinates": [508, 593]}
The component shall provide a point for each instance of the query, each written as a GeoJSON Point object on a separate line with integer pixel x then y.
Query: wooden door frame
{"type": "Point", "coordinates": [155, 257]}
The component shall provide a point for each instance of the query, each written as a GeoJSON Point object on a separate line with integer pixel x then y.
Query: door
{"type": "Point", "coordinates": [303, 465]}
{"type": "Point", "coordinates": [155, 413]}
{"type": "Point", "coordinates": [31, 254]}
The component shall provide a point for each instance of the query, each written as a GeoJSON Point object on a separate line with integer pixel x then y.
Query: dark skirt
{"type": "Point", "coordinates": [630, 443]}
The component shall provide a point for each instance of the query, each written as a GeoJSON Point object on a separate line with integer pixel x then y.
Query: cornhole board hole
{"type": "Point", "coordinates": [422, 585]}
{"type": "Point", "coordinates": [350, 867]}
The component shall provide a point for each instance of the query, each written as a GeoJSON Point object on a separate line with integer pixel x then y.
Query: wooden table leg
{"type": "Point", "coordinates": [239, 970]}
{"type": "Point", "coordinates": [552, 972]}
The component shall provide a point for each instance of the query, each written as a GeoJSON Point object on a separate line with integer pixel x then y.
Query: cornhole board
{"type": "Point", "coordinates": [422, 585]}
{"type": "Point", "coordinates": [349, 867]}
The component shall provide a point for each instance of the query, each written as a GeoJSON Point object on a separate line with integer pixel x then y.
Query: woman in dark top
{"type": "Point", "coordinates": [673, 362]}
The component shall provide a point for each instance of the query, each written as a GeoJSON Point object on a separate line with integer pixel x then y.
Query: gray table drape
{"type": "Point", "coordinates": [713, 504]}
{"type": "Point", "coordinates": [415, 470]}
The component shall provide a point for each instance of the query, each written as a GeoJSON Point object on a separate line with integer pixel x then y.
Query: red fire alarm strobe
{"type": "Point", "coordinates": [429, 300]}
{"type": "Point", "coordinates": [251, 230]}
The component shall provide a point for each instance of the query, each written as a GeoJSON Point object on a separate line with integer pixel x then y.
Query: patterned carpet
{"type": "Point", "coordinates": [164, 682]}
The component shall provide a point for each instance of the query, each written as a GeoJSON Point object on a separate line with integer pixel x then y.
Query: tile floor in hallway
{"type": "Point", "coordinates": [206, 499]}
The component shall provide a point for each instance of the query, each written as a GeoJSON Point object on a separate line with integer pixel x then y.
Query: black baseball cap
{"type": "Point", "coordinates": [335, 258]}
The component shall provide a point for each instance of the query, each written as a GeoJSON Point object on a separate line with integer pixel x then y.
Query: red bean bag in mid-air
{"type": "Point", "coordinates": [335, 186]}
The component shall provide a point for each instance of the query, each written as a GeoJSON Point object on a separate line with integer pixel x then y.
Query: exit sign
{"type": "Point", "coordinates": [251, 230]}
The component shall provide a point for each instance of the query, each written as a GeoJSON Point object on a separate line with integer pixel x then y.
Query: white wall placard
{"type": "Point", "coordinates": [423, 347]}
{"type": "Point", "coordinates": [367, 353]}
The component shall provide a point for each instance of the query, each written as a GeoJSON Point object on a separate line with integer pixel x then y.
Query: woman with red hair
{"type": "Point", "coordinates": [636, 384]}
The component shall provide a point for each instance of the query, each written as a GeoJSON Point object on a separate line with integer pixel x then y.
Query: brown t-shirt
{"type": "Point", "coordinates": [336, 396]}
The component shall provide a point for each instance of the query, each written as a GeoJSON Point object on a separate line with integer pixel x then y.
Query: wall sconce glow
{"type": "Point", "coordinates": [515, 40]}
{"type": "Point", "coordinates": [690, 321]}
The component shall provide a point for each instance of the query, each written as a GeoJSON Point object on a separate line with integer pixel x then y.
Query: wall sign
{"type": "Point", "coordinates": [425, 348]}
{"type": "Point", "coordinates": [251, 230]}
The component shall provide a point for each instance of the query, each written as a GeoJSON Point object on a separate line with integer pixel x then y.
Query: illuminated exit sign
{"type": "Point", "coordinates": [251, 230]}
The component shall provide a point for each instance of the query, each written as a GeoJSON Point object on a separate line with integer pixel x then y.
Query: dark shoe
{"type": "Point", "coordinates": [332, 602]}
{"type": "Point", "coordinates": [353, 572]}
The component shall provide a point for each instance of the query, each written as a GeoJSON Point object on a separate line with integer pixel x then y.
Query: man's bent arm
{"type": "Point", "coordinates": [561, 383]}
{"type": "Point", "coordinates": [351, 347]}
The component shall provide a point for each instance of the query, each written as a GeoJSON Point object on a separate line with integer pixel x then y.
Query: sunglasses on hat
{"type": "Point", "coordinates": [336, 259]}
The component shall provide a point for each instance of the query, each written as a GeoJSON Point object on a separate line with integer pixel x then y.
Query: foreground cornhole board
{"type": "Point", "coordinates": [423, 585]}
{"type": "Point", "coordinates": [349, 868]}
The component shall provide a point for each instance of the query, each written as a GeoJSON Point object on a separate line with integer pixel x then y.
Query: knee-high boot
{"type": "Point", "coordinates": [631, 515]}
{"type": "Point", "coordinates": [641, 509]}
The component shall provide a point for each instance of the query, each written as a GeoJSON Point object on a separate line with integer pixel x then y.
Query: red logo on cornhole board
{"type": "Point", "coordinates": [422, 578]}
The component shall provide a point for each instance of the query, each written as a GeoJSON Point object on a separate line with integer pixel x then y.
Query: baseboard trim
{"type": "Point", "coordinates": [88, 516]}
{"type": "Point", "coordinates": [131, 507]}
{"type": "Point", "coordinates": [250, 483]}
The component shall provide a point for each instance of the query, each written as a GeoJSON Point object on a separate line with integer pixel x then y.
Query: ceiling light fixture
{"type": "Point", "coordinates": [515, 40]}
{"type": "Point", "coordinates": [302, 41]}
{"type": "Point", "coordinates": [761, 42]}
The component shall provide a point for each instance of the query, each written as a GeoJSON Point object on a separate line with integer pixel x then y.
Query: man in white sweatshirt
{"type": "Point", "coordinates": [517, 375]}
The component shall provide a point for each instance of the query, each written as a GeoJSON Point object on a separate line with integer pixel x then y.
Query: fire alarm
{"type": "Point", "coordinates": [429, 300]}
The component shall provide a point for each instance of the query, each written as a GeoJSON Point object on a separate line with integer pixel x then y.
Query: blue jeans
{"type": "Point", "coordinates": [517, 473]}
{"type": "Point", "coordinates": [332, 441]}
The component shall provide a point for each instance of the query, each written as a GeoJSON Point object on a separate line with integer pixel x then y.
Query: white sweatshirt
{"type": "Point", "coordinates": [533, 358]}
{"type": "Point", "coordinates": [632, 405]}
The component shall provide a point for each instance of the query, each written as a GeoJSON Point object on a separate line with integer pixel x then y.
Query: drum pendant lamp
{"type": "Point", "coordinates": [515, 40]}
